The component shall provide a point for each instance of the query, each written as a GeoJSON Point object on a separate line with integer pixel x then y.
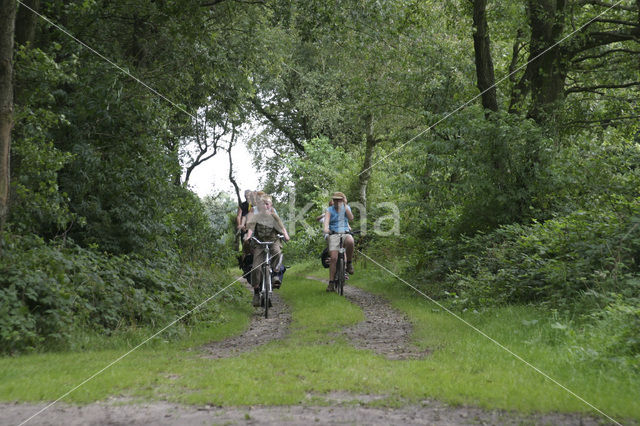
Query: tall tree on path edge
{"type": "Point", "coordinates": [7, 21]}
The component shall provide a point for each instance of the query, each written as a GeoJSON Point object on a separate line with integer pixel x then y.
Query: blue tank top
{"type": "Point", "coordinates": [338, 221]}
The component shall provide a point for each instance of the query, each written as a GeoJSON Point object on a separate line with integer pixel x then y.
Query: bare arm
{"type": "Point", "coordinates": [239, 218]}
{"type": "Point", "coordinates": [327, 218]}
{"type": "Point", "coordinates": [348, 211]}
{"type": "Point", "coordinates": [282, 227]}
{"type": "Point", "coordinates": [251, 226]}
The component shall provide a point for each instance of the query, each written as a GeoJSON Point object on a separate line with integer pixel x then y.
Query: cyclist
{"type": "Point", "coordinates": [336, 220]}
{"type": "Point", "coordinates": [244, 259]}
{"type": "Point", "coordinates": [265, 225]}
{"type": "Point", "coordinates": [243, 211]}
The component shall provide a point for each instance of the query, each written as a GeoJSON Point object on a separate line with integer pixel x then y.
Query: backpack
{"type": "Point", "coordinates": [247, 265]}
{"type": "Point", "coordinates": [280, 273]}
{"type": "Point", "coordinates": [324, 258]}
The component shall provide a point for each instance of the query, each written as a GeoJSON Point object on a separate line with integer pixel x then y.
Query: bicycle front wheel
{"type": "Point", "coordinates": [340, 277]}
{"type": "Point", "coordinates": [266, 277]}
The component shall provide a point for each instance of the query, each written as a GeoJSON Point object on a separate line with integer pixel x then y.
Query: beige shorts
{"type": "Point", "coordinates": [334, 241]}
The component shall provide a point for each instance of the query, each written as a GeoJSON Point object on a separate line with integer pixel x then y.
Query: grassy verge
{"type": "Point", "coordinates": [464, 367]}
{"type": "Point", "coordinates": [470, 368]}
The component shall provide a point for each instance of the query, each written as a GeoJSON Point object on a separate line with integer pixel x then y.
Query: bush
{"type": "Point", "coordinates": [611, 333]}
{"type": "Point", "coordinates": [38, 205]}
{"type": "Point", "coordinates": [49, 292]}
{"type": "Point", "coordinates": [556, 262]}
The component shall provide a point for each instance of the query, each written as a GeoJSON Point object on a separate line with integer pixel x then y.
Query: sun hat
{"type": "Point", "coordinates": [338, 196]}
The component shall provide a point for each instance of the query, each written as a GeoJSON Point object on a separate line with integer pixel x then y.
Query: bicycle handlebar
{"type": "Point", "coordinates": [346, 232]}
{"type": "Point", "coordinates": [266, 243]}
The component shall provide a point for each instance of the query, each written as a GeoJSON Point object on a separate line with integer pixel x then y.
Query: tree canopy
{"type": "Point", "coordinates": [505, 133]}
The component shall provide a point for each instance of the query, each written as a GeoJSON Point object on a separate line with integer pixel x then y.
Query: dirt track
{"type": "Point", "coordinates": [261, 331]}
{"type": "Point", "coordinates": [384, 331]}
{"type": "Point", "coordinates": [344, 409]}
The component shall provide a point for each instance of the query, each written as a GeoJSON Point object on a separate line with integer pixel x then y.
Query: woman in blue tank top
{"type": "Point", "coordinates": [336, 221]}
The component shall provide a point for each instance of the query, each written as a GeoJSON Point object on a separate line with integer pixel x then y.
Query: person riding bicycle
{"type": "Point", "coordinates": [336, 221]}
{"type": "Point", "coordinates": [265, 225]}
{"type": "Point", "coordinates": [244, 259]}
{"type": "Point", "coordinates": [243, 211]}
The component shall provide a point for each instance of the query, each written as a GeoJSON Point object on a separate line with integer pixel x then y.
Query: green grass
{"type": "Point", "coordinates": [463, 368]}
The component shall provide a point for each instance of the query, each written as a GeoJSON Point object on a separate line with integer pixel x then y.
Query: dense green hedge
{"type": "Point", "coordinates": [48, 292]}
{"type": "Point", "coordinates": [560, 262]}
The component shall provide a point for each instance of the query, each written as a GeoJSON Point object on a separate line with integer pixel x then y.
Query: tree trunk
{"type": "Point", "coordinates": [365, 174]}
{"type": "Point", "coordinates": [549, 69]}
{"type": "Point", "coordinates": [231, 178]}
{"type": "Point", "coordinates": [26, 23]}
{"type": "Point", "coordinates": [7, 26]}
{"type": "Point", "coordinates": [484, 63]}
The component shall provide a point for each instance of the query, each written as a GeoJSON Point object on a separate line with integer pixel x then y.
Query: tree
{"type": "Point", "coordinates": [26, 22]}
{"type": "Point", "coordinates": [361, 74]}
{"type": "Point", "coordinates": [550, 63]}
{"type": "Point", "coordinates": [231, 177]}
{"type": "Point", "coordinates": [7, 25]}
{"type": "Point", "coordinates": [204, 144]}
{"type": "Point", "coordinates": [482, 49]}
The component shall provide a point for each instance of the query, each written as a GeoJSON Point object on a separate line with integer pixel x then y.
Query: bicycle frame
{"type": "Point", "coordinates": [266, 290]}
{"type": "Point", "coordinates": [339, 274]}
{"type": "Point", "coordinates": [340, 267]}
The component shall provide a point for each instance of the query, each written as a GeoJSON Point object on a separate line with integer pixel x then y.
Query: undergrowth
{"type": "Point", "coordinates": [52, 297]}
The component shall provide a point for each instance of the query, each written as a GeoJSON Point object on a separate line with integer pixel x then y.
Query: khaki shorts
{"type": "Point", "coordinates": [334, 241]}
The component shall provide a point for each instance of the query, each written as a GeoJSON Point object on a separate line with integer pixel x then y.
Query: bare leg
{"type": "Point", "coordinates": [256, 273]}
{"type": "Point", "coordinates": [348, 245]}
{"type": "Point", "coordinates": [333, 255]}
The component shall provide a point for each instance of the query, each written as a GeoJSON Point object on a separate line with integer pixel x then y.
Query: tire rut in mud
{"type": "Point", "coordinates": [385, 330]}
{"type": "Point", "coordinates": [260, 332]}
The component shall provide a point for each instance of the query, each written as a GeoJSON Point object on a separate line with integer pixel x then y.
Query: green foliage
{"type": "Point", "coordinates": [38, 204]}
{"type": "Point", "coordinates": [221, 212]}
{"type": "Point", "coordinates": [103, 237]}
{"type": "Point", "coordinates": [50, 293]}
{"type": "Point", "coordinates": [499, 163]}
{"type": "Point", "coordinates": [509, 215]}
{"type": "Point", "coordinates": [494, 209]}
{"type": "Point", "coordinates": [120, 176]}
{"type": "Point", "coordinates": [558, 262]}
{"type": "Point", "coordinates": [612, 332]}
{"type": "Point", "coordinates": [478, 173]}
{"type": "Point", "coordinates": [323, 169]}
{"type": "Point", "coordinates": [304, 246]}
{"type": "Point", "coordinates": [218, 209]}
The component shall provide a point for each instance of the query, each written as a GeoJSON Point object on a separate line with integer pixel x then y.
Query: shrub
{"type": "Point", "coordinates": [47, 292]}
{"type": "Point", "coordinates": [555, 262]}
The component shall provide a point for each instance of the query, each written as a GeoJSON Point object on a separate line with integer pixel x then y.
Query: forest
{"type": "Point", "coordinates": [503, 136]}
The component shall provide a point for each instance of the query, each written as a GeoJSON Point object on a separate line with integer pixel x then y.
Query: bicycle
{"type": "Point", "coordinates": [340, 275]}
{"type": "Point", "coordinates": [266, 290]}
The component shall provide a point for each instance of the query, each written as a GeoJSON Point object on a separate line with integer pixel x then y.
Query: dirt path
{"type": "Point", "coordinates": [260, 332]}
{"type": "Point", "coordinates": [385, 330]}
{"type": "Point", "coordinates": [343, 410]}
